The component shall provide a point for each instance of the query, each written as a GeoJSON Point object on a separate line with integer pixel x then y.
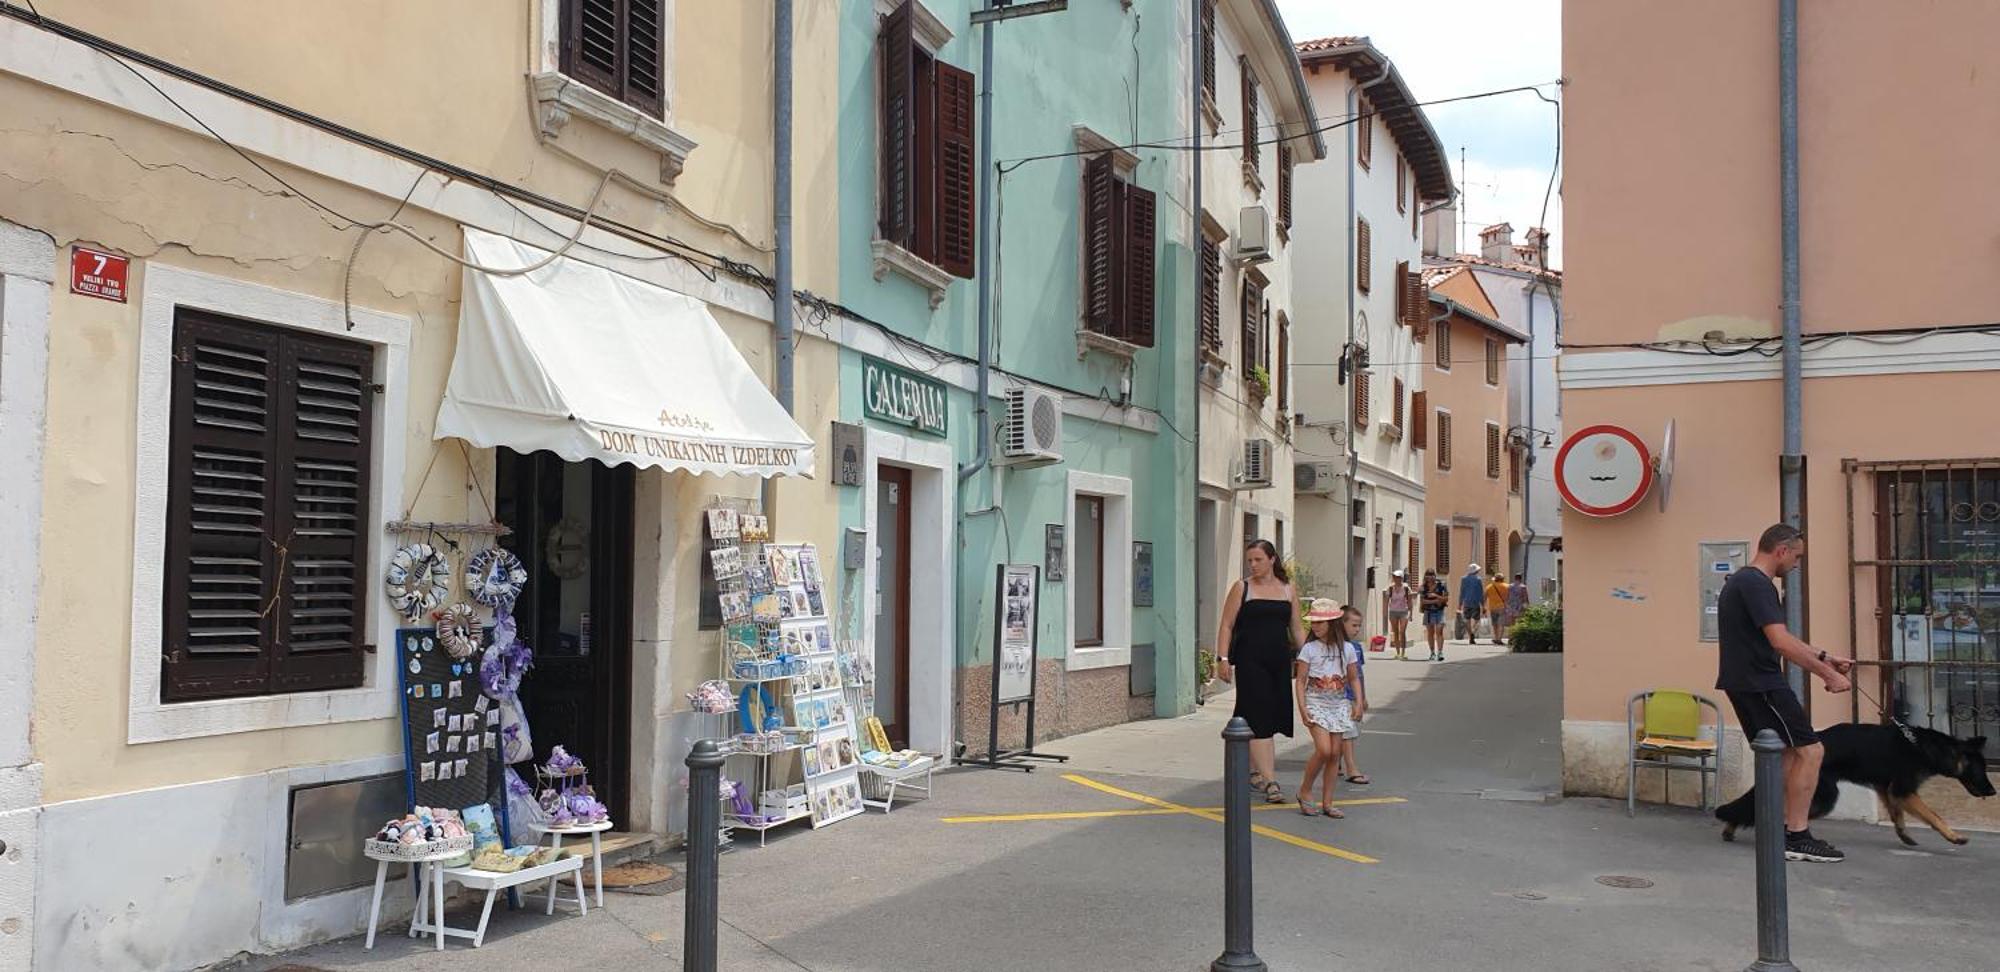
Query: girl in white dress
{"type": "Point", "coordinates": [1320, 685]}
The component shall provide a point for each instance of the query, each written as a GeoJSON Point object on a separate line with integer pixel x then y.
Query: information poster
{"type": "Point", "coordinates": [1014, 640]}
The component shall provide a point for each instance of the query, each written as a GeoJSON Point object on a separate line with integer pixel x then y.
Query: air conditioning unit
{"type": "Point", "coordinates": [1315, 478]}
{"type": "Point", "coordinates": [1253, 236]}
{"type": "Point", "coordinates": [1256, 472]}
{"type": "Point", "coordinates": [1033, 435]}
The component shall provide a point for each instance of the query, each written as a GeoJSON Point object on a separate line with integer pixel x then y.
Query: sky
{"type": "Point", "coordinates": [1446, 48]}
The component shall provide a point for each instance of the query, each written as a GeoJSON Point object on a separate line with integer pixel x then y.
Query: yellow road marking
{"type": "Point", "coordinates": [1101, 814]}
{"type": "Point", "coordinates": [1279, 835]}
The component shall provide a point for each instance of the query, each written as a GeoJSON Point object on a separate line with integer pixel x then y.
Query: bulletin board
{"type": "Point", "coordinates": [451, 729]}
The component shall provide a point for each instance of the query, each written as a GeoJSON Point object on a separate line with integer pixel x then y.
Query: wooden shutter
{"type": "Point", "coordinates": [1251, 157]}
{"type": "Point", "coordinates": [1140, 247]}
{"type": "Point", "coordinates": [1444, 439]}
{"type": "Point", "coordinates": [1365, 138]}
{"type": "Point", "coordinates": [1211, 294]}
{"type": "Point", "coordinates": [1263, 331]}
{"type": "Point", "coordinates": [322, 555]}
{"type": "Point", "coordinates": [645, 39]}
{"type": "Point", "coordinates": [956, 163]}
{"type": "Point", "coordinates": [1493, 565]}
{"type": "Point", "coordinates": [1364, 262]}
{"type": "Point", "coordinates": [1100, 266]}
{"type": "Point", "coordinates": [1361, 402]}
{"type": "Point", "coordinates": [1208, 48]}
{"type": "Point", "coordinates": [616, 47]}
{"type": "Point", "coordinates": [1402, 186]}
{"type": "Point", "coordinates": [1492, 362]}
{"type": "Point", "coordinates": [1285, 186]}
{"type": "Point", "coordinates": [1513, 470]}
{"type": "Point", "coordinates": [1420, 424]}
{"type": "Point", "coordinates": [899, 176]}
{"type": "Point", "coordinates": [1443, 545]}
{"type": "Point", "coordinates": [1283, 379]}
{"type": "Point", "coordinates": [1416, 562]}
{"type": "Point", "coordinates": [1252, 298]}
{"type": "Point", "coordinates": [1396, 403]}
{"type": "Point", "coordinates": [1444, 345]}
{"type": "Point", "coordinates": [1492, 451]}
{"type": "Point", "coordinates": [1402, 293]}
{"type": "Point", "coordinates": [1418, 300]}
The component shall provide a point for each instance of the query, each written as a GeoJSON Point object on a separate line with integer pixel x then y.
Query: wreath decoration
{"type": "Point", "coordinates": [419, 580]}
{"type": "Point", "coordinates": [494, 577]}
{"type": "Point", "coordinates": [458, 629]}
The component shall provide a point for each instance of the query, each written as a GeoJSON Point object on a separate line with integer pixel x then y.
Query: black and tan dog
{"type": "Point", "coordinates": [1894, 761]}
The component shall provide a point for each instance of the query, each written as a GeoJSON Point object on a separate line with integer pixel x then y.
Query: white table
{"type": "Point", "coordinates": [556, 835]}
{"type": "Point", "coordinates": [904, 776]}
{"type": "Point", "coordinates": [416, 864]}
{"type": "Point", "coordinates": [491, 882]}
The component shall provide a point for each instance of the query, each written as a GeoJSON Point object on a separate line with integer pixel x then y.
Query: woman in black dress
{"type": "Point", "coordinates": [1261, 631]}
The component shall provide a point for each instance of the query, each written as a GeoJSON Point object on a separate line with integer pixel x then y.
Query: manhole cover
{"type": "Point", "coordinates": [1623, 881]}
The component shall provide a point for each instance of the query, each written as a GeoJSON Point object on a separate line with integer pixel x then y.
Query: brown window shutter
{"type": "Point", "coordinates": [1444, 345]}
{"type": "Point", "coordinates": [1364, 262]}
{"type": "Point", "coordinates": [1283, 378]}
{"type": "Point", "coordinates": [1208, 48]}
{"type": "Point", "coordinates": [1361, 401]}
{"type": "Point", "coordinates": [1100, 228]}
{"type": "Point", "coordinates": [1253, 298]}
{"type": "Point", "coordinates": [1396, 403]}
{"type": "Point", "coordinates": [1444, 440]}
{"type": "Point", "coordinates": [323, 552]}
{"type": "Point", "coordinates": [1416, 560]}
{"type": "Point", "coordinates": [955, 165]}
{"type": "Point", "coordinates": [1251, 157]}
{"type": "Point", "coordinates": [1402, 186]}
{"type": "Point", "coordinates": [1402, 293]}
{"type": "Point", "coordinates": [1365, 138]}
{"type": "Point", "coordinates": [1493, 565]}
{"type": "Point", "coordinates": [1420, 427]}
{"type": "Point", "coordinates": [1492, 451]}
{"type": "Point", "coordinates": [1141, 239]}
{"type": "Point", "coordinates": [1418, 300]}
{"type": "Point", "coordinates": [1513, 470]}
{"type": "Point", "coordinates": [1285, 186]}
{"type": "Point", "coordinates": [645, 39]}
{"type": "Point", "coordinates": [1443, 545]}
{"type": "Point", "coordinates": [899, 165]}
{"type": "Point", "coordinates": [1263, 331]}
{"type": "Point", "coordinates": [1211, 295]}
{"type": "Point", "coordinates": [593, 40]}
{"type": "Point", "coordinates": [1492, 362]}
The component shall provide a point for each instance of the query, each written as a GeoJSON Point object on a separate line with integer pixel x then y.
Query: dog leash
{"type": "Point", "coordinates": [1879, 707]}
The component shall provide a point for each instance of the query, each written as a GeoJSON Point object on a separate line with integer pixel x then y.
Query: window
{"type": "Point", "coordinates": [1514, 471]}
{"type": "Point", "coordinates": [1364, 150]}
{"type": "Point", "coordinates": [1252, 158]}
{"type": "Point", "coordinates": [1285, 188]}
{"type": "Point", "coordinates": [1492, 451]}
{"type": "Point", "coordinates": [1934, 522]}
{"type": "Point", "coordinates": [1415, 560]}
{"type": "Point", "coordinates": [1402, 293]}
{"type": "Point", "coordinates": [616, 46]}
{"type": "Point", "coordinates": [927, 150]}
{"type": "Point", "coordinates": [268, 488]}
{"type": "Point", "coordinates": [1283, 378]}
{"type": "Point", "coordinates": [1364, 262]}
{"type": "Point", "coordinates": [1255, 324]}
{"type": "Point", "coordinates": [1250, 534]}
{"type": "Point", "coordinates": [1208, 49]}
{"type": "Point", "coordinates": [1211, 293]}
{"type": "Point", "coordinates": [1396, 403]}
{"type": "Point", "coordinates": [1443, 545]}
{"type": "Point", "coordinates": [1089, 576]}
{"type": "Point", "coordinates": [1420, 432]}
{"type": "Point", "coordinates": [1444, 345]}
{"type": "Point", "coordinates": [1118, 251]}
{"type": "Point", "coordinates": [1444, 439]}
{"type": "Point", "coordinates": [1361, 403]}
{"type": "Point", "coordinates": [1402, 186]}
{"type": "Point", "coordinates": [1492, 362]}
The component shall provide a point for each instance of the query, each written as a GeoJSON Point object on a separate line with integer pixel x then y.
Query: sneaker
{"type": "Point", "coordinates": [1803, 846]}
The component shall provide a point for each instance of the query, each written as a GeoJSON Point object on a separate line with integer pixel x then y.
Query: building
{"type": "Point", "coordinates": [1894, 277]}
{"type": "Point", "coordinates": [222, 386]}
{"type": "Point", "coordinates": [1473, 487]}
{"type": "Point", "coordinates": [1362, 314]}
{"type": "Point", "coordinates": [1080, 458]}
{"type": "Point", "coordinates": [1527, 297]}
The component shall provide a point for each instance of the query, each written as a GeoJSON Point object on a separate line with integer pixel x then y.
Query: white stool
{"type": "Point", "coordinates": [417, 865]}
{"type": "Point", "coordinates": [556, 835]}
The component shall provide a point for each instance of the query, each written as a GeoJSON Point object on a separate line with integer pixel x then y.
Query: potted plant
{"type": "Point", "coordinates": [1259, 381]}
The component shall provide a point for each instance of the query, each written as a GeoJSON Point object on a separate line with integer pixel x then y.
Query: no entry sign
{"type": "Point", "coordinates": [1603, 470]}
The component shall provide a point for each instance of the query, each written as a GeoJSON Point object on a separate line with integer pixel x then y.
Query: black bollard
{"type": "Point", "coordinates": [1238, 954]}
{"type": "Point", "coordinates": [1774, 938]}
{"type": "Point", "coordinates": [699, 914]}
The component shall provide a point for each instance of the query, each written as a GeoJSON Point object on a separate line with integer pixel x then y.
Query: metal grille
{"type": "Point", "coordinates": [1936, 580]}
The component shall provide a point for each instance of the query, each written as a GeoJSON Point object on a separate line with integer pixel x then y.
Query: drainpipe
{"type": "Point", "coordinates": [984, 456]}
{"type": "Point", "coordinates": [1195, 231]}
{"type": "Point", "coordinates": [1353, 434]}
{"type": "Point", "coordinates": [781, 207]}
{"type": "Point", "coordinates": [1528, 476]}
{"type": "Point", "coordinates": [1792, 462]}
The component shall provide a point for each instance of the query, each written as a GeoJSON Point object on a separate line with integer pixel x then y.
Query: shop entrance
{"type": "Point", "coordinates": [572, 529]}
{"type": "Point", "coordinates": [893, 503]}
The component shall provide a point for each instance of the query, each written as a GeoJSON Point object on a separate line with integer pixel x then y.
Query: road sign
{"type": "Point", "coordinates": [1603, 470]}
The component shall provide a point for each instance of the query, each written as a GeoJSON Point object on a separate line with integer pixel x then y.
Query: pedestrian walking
{"type": "Point", "coordinates": [1356, 692]}
{"type": "Point", "coordinates": [1432, 597]}
{"type": "Point", "coordinates": [1471, 601]}
{"type": "Point", "coordinates": [1750, 621]}
{"type": "Point", "coordinates": [1320, 689]}
{"type": "Point", "coordinates": [1517, 602]}
{"type": "Point", "coordinates": [1260, 629]}
{"type": "Point", "coordinates": [1496, 606]}
{"type": "Point", "coordinates": [1397, 605]}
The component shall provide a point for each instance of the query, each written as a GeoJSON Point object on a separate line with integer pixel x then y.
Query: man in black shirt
{"type": "Point", "coordinates": [1751, 622]}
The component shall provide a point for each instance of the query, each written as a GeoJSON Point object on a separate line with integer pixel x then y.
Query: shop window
{"type": "Point", "coordinates": [1119, 253]}
{"type": "Point", "coordinates": [617, 47]}
{"type": "Point", "coordinates": [268, 489]}
{"type": "Point", "coordinates": [927, 158]}
{"type": "Point", "coordinates": [1089, 576]}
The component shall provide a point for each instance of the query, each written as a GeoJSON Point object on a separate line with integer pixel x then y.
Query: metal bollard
{"type": "Point", "coordinates": [1774, 940]}
{"type": "Point", "coordinates": [699, 914]}
{"type": "Point", "coordinates": [1238, 954]}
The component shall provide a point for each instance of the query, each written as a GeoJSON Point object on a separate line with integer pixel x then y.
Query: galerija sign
{"type": "Point", "coordinates": [893, 394]}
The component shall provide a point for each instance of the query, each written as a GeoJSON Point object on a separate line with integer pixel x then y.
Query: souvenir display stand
{"type": "Point", "coordinates": [779, 657]}
{"type": "Point", "coordinates": [884, 772]}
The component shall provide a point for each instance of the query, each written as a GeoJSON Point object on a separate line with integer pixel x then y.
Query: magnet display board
{"type": "Point", "coordinates": [1603, 470]}
{"type": "Point", "coordinates": [450, 728]}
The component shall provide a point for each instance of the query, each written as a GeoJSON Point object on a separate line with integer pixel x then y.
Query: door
{"type": "Point", "coordinates": [892, 602]}
{"type": "Point", "coordinates": [1207, 578]}
{"type": "Point", "coordinates": [572, 529]}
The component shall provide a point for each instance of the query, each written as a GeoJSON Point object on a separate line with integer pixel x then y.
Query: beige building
{"type": "Point", "coordinates": [203, 467]}
{"type": "Point", "coordinates": [1896, 266]}
{"type": "Point", "coordinates": [1472, 499]}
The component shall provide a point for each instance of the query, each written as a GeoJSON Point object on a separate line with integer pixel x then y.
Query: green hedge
{"type": "Point", "coordinates": [1539, 629]}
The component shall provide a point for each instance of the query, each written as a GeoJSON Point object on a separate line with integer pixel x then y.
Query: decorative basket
{"type": "Point", "coordinates": [410, 852]}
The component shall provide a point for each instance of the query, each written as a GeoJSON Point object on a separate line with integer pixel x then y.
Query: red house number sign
{"type": "Point", "coordinates": [98, 274]}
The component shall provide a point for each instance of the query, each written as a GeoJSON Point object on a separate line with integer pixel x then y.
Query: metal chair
{"type": "Point", "coordinates": [1665, 727]}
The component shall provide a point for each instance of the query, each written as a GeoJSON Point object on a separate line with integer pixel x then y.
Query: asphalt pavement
{"type": "Point", "coordinates": [1460, 854]}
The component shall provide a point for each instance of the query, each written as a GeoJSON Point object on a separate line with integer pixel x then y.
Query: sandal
{"type": "Point", "coordinates": [1332, 811]}
{"type": "Point", "coordinates": [1273, 793]}
{"type": "Point", "coordinates": [1358, 779]}
{"type": "Point", "coordinates": [1307, 808]}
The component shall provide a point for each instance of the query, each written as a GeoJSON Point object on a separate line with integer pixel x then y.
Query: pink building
{"type": "Point", "coordinates": [1672, 194]}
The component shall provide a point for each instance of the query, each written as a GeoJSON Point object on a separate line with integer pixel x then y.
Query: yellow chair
{"type": "Point", "coordinates": [1665, 727]}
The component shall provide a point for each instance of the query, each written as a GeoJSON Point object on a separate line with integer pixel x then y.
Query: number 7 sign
{"type": "Point", "coordinates": [98, 274]}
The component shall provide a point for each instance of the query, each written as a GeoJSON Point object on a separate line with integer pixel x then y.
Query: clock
{"type": "Point", "coordinates": [568, 554]}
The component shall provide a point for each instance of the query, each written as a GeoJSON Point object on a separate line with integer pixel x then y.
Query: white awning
{"type": "Point", "coordinates": [590, 364]}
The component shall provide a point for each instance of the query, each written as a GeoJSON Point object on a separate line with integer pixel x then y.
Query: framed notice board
{"type": "Point", "coordinates": [1014, 633]}
{"type": "Point", "coordinates": [451, 730]}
